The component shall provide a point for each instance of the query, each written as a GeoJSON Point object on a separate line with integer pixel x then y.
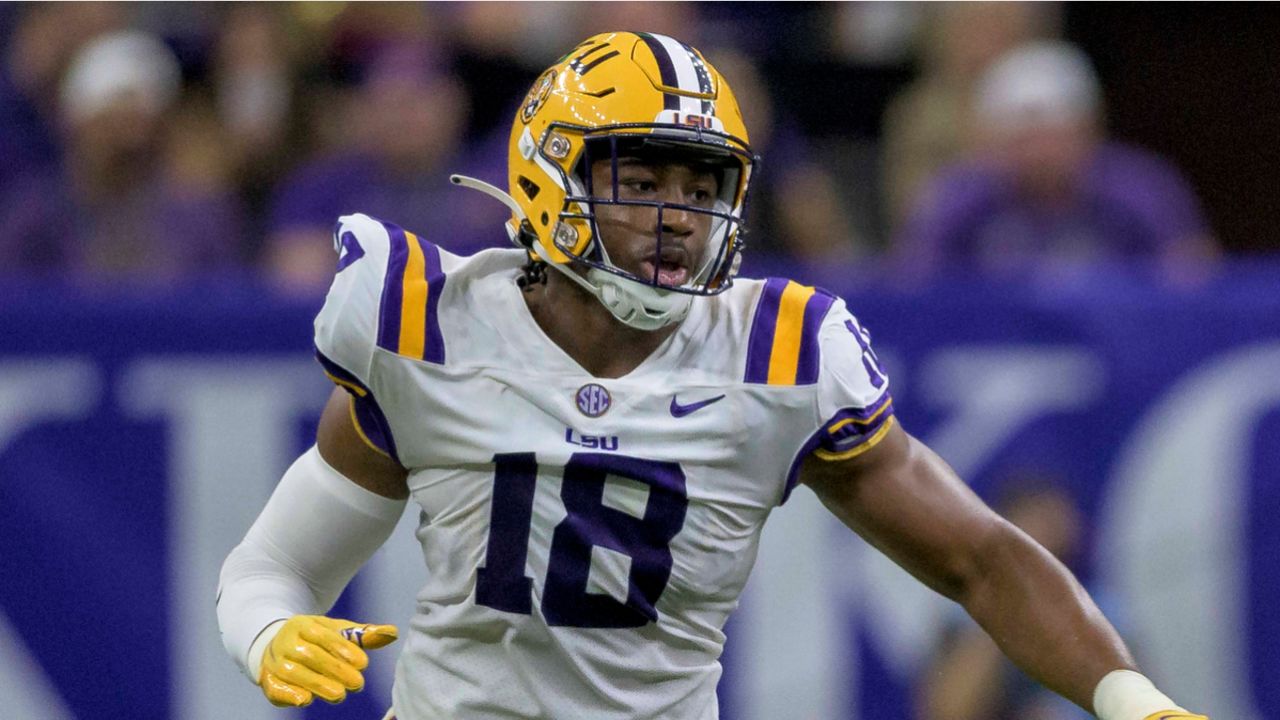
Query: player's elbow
{"type": "Point", "coordinates": [979, 575]}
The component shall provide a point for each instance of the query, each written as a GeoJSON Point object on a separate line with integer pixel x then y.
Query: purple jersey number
{"type": "Point", "coordinates": [869, 360]}
{"type": "Point", "coordinates": [349, 250]}
{"type": "Point", "coordinates": [501, 584]}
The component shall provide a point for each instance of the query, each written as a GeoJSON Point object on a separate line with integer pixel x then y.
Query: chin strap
{"type": "Point", "coordinates": [637, 305]}
{"type": "Point", "coordinates": [640, 306]}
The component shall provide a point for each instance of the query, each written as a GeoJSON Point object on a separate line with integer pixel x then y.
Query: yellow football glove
{"type": "Point", "coordinates": [1175, 715]}
{"type": "Point", "coordinates": [313, 655]}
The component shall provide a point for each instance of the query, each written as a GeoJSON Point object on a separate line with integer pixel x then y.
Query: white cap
{"type": "Point", "coordinates": [1039, 83]}
{"type": "Point", "coordinates": [120, 63]}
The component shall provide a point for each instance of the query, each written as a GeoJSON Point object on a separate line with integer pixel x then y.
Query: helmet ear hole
{"type": "Point", "coordinates": [530, 188]}
{"type": "Point", "coordinates": [545, 218]}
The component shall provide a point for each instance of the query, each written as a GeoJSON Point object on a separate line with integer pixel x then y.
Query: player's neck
{"type": "Point", "coordinates": [586, 330]}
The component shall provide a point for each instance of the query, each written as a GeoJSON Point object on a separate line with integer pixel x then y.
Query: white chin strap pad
{"type": "Point", "coordinates": [635, 304]}
{"type": "Point", "coordinates": [640, 306]}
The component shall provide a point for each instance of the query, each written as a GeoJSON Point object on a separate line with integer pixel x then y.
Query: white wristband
{"type": "Point", "coordinates": [259, 648]}
{"type": "Point", "coordinates": [1128, 695]}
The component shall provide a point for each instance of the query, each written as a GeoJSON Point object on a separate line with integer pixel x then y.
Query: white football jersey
{"type": "Point", "coordinates": [585, 538]}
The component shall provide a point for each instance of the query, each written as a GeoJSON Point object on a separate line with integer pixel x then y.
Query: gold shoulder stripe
{"type": "Point", "coordinates": [413, 304]}
{"type": "Point", "coordinates": [784, 358]}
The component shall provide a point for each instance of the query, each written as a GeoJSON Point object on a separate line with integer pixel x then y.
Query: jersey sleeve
{"type": "Point", "coordinates": [853, 389]}
{"type": "Point", "coordinates": [347, 326]}
{"type": "Point", "coordinates": [384, 297]}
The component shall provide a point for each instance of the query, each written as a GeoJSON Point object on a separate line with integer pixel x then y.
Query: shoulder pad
{"type": "Point", "coordinates": [783, 348]}
{"type": "Point", "coordinates": [385, 294]}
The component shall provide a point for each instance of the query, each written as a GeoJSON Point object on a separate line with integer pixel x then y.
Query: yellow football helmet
{"type": "Point", "coordinates": [624, 93]}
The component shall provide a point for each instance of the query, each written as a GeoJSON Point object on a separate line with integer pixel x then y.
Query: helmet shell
{"type": "Point", "coordinates": [624, 84]}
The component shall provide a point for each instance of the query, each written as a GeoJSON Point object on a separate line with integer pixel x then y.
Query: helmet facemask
{"type": "Point", "coordinates": [616, 96]}
{"type": "Point", "coordinates": [709, 262]}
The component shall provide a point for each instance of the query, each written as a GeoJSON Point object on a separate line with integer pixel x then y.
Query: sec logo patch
{"type": "Point", "coordinates": [593, 400]}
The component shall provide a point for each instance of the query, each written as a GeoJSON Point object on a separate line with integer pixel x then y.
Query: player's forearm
{"type": "Point", "coordinates": [316, 531]}
{"type": "Point", "coordinates": [966, 681]}
{"type": "Point", "coordinates": [254, 591]}
{"type": "Point", "coordinates": [1041, 617]}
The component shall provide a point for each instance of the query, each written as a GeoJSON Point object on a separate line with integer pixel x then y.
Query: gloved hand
{"type": "Point", "coordinates": [313, 655]}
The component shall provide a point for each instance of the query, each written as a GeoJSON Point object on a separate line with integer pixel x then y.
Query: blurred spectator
{"type": "Point", "coordinates": [501, 47]}
{"type": "Point", "coordinates": [398, 137]}
{"type": "Point", "coordinates": [254, 79]}
{"type": "Point", "coordinates": [133, 197]}
{"type": "Point", "coordinates": [1047, 194]}
{"type": "Point", "coordinates": [682, 20]}
{"type": "Point", "coordinates": [38, 41]}
{"type": "Point", "coordinates": [873, 33]}
{"type": "Point", "coordinates": [795, 211]}
{"type": "Point", "coordinates": [927, 125]}
{"type": "Point", "coordinates": [970, 679]}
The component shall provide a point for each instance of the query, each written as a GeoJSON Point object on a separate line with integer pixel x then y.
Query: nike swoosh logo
{"type": "Point", "coordinates": [678, 410]}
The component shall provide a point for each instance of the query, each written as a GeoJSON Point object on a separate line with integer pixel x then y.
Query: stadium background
{"type": "Point", "coordinates": [144, 416]}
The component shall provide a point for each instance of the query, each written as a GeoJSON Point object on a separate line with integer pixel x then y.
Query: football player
{"type": "Point", "coordinates": [596, 425]}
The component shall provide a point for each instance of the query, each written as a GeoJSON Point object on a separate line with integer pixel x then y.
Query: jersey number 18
{"type": "Point", "coordinates": [501, 584]}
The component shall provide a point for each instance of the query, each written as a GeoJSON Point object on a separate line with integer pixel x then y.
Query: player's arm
{"type": "Point", "coordinates": [334, 507]}
{"type": "Point", "coordinates": [903, 499]}
{"type": "Point", "coordinates": [342, 447]}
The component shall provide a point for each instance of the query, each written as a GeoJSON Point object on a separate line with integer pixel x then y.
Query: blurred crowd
{"type": "Point", "coordinates": [159, 141]}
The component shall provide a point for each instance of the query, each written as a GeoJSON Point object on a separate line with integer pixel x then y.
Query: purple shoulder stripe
{"type": "Point", "coordinates": [763, 326]}
{"type": "Point", "coordinates": [785, 332]}
{"type": "Point", "coordinates": [810, 361]}
{"type": "Point", "coordinates": [402, 285]}
{"type": "Point", "coordinates": [393, 289]}
{"type": "Point", "coordinates": [434, 349]}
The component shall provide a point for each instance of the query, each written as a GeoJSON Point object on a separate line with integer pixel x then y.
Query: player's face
{"type": "Point", "coordinates": [630, 232]}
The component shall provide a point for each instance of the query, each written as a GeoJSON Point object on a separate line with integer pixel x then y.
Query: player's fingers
{"type": "Point", "coordinates": [325, 688]}
{"type": "Point", "coordinates": [314, 657]}
{"type": "Point", "coordinates": [333, 642]}
{"type": "Point", "coordinates": [282, 694]}
{"type": "Point", "coordinates": [372, 637]}
{"type": "Point", "coordinates": [368, 636]}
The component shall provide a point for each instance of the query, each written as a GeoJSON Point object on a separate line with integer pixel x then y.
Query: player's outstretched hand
{"type": "Point", "coordinates": [1175, 715]}
{"type": "Point", "coordinates": [316, 656]}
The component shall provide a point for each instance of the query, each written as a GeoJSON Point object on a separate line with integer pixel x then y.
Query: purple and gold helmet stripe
{"type": "Point", "coordinates": [782, 348]}
{"type": "Point", "coordinates": [369, 420]}
{"type": "Point", "coordinates": [408, 322]}
{"type": "Point", "coordinates": [681, 68]}
{"type": "Point", "coordinates": [670, 101]}
{"type": "Point", "coordinates": [704, 77]}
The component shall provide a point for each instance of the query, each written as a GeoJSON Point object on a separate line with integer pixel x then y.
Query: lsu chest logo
{"type": "Point", "coordinates": [591, 442]}
{"type": "Point", "coordinates": [593, 400]}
